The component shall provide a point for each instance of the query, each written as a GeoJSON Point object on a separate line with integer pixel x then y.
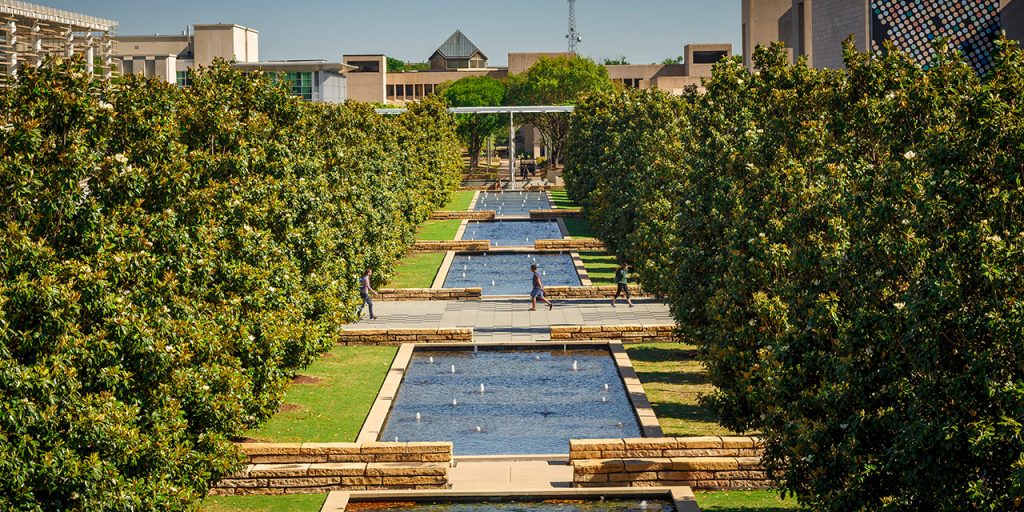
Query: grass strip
{"type": "Point", "coordinates": [460, 201]}
{"type": "Point", "coordinates": [744, 501]}
{"type": "Point", "coordinates": [674, 380]}
{"type": "Point", "coordinates": [601, 267]}
{"type": "Point", "coordinates": [560, 200]}
{"type": "Point", "coordinates": [264, 503]}
{"type": "Point", "coordinates": [417, 270]}
{"type": "Point", "coordinates": [331, 407]}
{"type": "Point", "coordinates": [438, 229]}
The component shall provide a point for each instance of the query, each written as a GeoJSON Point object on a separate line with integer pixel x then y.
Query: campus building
{"type": "Point", "coordinates": [30, 33]}
{"type": "Point", "coordinates": [816, 29]}
{"type": "Point", "coordinates": [370, 81]}
{"type": "Point", "coordinates": [169, 57]}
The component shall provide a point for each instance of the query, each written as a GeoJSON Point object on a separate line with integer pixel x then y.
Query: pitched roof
{"type": "Point", "coordinates": [458, 46]}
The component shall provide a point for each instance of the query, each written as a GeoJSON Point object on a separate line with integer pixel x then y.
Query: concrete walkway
{"type": "Point", "coordinates": [509, 319]}
{"type": "Point", "coordinates": [499, 476]}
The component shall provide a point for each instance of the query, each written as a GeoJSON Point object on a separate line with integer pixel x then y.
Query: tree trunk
{"type": "Point", "coordinates": [474, 152]}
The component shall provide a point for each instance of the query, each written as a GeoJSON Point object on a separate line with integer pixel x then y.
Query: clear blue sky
{"type": "Point", "coordinates": [643, 30]}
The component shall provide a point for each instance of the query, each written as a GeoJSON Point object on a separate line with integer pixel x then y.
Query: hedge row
{"type": "Point", "coordinates": [169, 257]}
{"type": "Point", "coordinates": [847, 248]}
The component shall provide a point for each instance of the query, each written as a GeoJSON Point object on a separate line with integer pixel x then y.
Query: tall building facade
{"type": "Point", "coordinates": [30, 33]}
{"type": "Point", "coordinates": [816, 29]}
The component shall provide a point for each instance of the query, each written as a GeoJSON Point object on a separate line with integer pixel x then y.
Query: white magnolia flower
{"type": "Point", "coordinates": [910, 155]}
{"type": "Point", "coordinates": [900, 305]}
{"type": "Point", "coordinates": [106, 106]}
{"type": "Point", "coordinates": [120, 158]}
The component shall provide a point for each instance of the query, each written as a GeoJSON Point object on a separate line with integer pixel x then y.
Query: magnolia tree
{"type": "Point", "coordinates": [474, 129]}
{"type": "Point", "coordinates": [556, 81]}
{"type": "Point", "coordinates": [169, 257]}
{"type": "Point", "coordinates": [848, 258]}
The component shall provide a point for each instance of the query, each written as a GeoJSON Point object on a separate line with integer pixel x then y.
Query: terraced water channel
{"type": "Point", "coordinates": [506, 204]}
{"type": "Point", "coordinates": [512, 233]}
{"type": "Point", "coordinates": [503, 400]}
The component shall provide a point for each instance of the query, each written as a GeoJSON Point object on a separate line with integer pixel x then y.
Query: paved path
{"type": "Point", "coordinates": [507, 475]}
{"type": "Point", "coordinates": [509, 320]}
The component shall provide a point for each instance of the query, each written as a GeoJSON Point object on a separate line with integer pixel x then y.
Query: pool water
{"type": "Point", "coordinates": [555, 505]}
{"type": "Point", "coordinates": [509, 273]}
{"type": "Point", "coordinates": [533, 400]}
{"type": "Point", "coordinates": [513, 233]}
{"type": "Point", "coordinates": [512, 203]}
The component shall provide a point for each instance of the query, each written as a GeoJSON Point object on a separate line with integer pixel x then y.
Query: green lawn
{"type": "Point", "coordinates": [460, 200]}
{"type": "Point", "coordinates": [417, 270]}
{"type": "Point", "coordinates": [333, 409]}
{"type": "Point", "coordinates": [261, 503]}
{"type": "Point", "coordinates": [600, 266]}
{"type": "Point", "coordinates": [560, 199]}
{"type": "Point", "coordinates": [743, 501]}
{"type": "Point", "coordinates": [438, 229]}
{"type": "Point", "coordinates": [673, 380]}
{"type": "Point", "coordinates": [579, 228]}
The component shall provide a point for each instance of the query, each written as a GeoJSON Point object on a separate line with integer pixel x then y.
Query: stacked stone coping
{"type": "Point", "coordinates": [709, 462]}
{"type": "Point", "coordinates": [423, 294]}
{"type": "Point", "coordinates": [589, 292]}
{"type": "Point", "coordinates": [625, 333]}
{"type": "Point", "coordinates": [571, 244]}
{"type": "Point", "coordinates": [398, 336]}
{"type": "Point", "coordinates": [296, 468]}
{"type": "Point", "coordinates": [464, 215]}
{"type": "Point", "coordinates": [555, 214]}
{"type": "Point", "coordinates": [450, 245]}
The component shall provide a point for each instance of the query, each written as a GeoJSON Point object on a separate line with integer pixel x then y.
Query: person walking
{"type": "Point", "coordinates": [622, 283]}
{"type": "Point", "coordinates": [538, 291]}
{"type": "Point", "coordinates": [365, 289]}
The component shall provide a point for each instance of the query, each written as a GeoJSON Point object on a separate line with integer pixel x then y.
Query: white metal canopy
{"type": "Point", "coordinates": [511, 111]}
{"type": "Point", "coordinates": [535, 109]}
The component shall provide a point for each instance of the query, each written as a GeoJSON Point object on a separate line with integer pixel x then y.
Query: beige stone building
{"type": "Point", "coordinates": [816, 29]}
{"type": "Point", "coordinates": [369, 81]}
{"type": "Point", "coordinates": [30, 33]}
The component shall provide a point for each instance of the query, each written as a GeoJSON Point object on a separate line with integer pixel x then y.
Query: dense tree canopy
{"type": "Point", "coordinates": [556, 81]}
{"type": "Point", "coordinates": [473, 129]}
{"type": "Point", "coordinates": [845, 247]}
{"type": "Point", "coordinates": [169, 257]}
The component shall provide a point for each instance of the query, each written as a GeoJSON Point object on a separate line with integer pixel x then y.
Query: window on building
{"type": "Point", "coordinates": [458, 63]}
{"type": "Point", "coordinates": [391, 91]}
{"type": "Point", "coordinates": [408, 90]}
{"type": "Point", "coordinates": [419, 90]}
{"type": "Point", "coordinates": [183, 78]}
{"type": "Point", "coordinates": [300, 83]}
{"type": "Point", "coordinates": [428, 89]}
{"type": "Point", "coordinates": [365, 66]}
{"type": "Point", "coordinates": [708, 56]}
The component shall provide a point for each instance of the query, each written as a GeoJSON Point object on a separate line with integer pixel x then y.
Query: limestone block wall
{"type": "Point", "coordinates": [574, 244]}
{"type": "Point", "coordinates": [399, 336]}
{"type": "Point", "coordinates": [699, 462]}
{"type": "Point", "coordinates": [463, 214]}
{"type": "Point", "coordinates": [589, 292]}
{"type": "Point", "coordinates": [554, 214]}
{"type": "Point", "coordinates": [292, 468]}
{"type": "Point", "coordinates": [626, 333]}
{"type": "Point", "coordinates": [451, 245]}
{"type": "Point", "coordinates": [414, 294]}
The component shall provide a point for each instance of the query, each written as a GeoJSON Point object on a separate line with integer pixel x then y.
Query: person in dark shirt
{"type": "Point", "coordinates": [622, 282]}
{"type": "Point", "coordinates": [538, 291]}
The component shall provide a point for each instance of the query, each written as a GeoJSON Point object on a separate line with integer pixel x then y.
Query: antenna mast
{"type": "Point", "coordinates": [573, 36]}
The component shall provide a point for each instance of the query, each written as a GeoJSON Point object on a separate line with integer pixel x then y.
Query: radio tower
{"type": "Point", "coordinates": [573, 36]}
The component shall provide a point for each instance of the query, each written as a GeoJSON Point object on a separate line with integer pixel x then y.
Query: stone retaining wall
{"type": "Point", "coordinates": [555, 214]}
{"type": "Point", "coordinates": [699, 462]}
{"type": "Point", "coordinates": [626, 333]}
{"type": "Point", "coordinates": [393, 294]}
{"type": "Point", "coordinates": [463, 214]}
{"type": "Point", "coordinates": [450, 245]}
{"type": "Point", "coordinates": [574, 244]}
{"type": "Point", "coordinates": [590, 292]}
{"type": "Point", "coordinates": [293, 468]}
{"type": "Point", "coordinates": [399, 336]}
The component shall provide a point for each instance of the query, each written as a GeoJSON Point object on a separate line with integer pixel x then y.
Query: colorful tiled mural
{"type": "Point", "coordinates": [972, 26]}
